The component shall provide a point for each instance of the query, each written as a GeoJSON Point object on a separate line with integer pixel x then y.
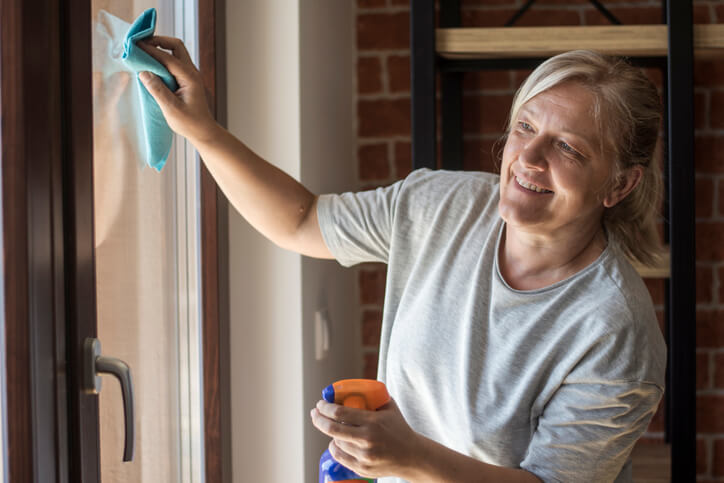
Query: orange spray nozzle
{"type": "Point", "coordinates": [357, 393]}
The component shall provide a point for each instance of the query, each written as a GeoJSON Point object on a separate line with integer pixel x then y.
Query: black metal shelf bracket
{"type": "Point", "coordinates": [599, 6]}
{"type": "Point", "coordinates": [682, 283]}
{"type": "Point", "coordinates": [422, 83]}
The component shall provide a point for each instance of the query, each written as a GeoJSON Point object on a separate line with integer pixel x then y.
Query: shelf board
{"type": "Point", "coordinates": [661, 270]}
{"type": "Point", "coordinates": [540, 42]}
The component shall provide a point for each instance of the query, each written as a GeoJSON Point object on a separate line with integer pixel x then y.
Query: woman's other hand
{"type": "Point", "coordinates": [370, 443]}
{"type": "Point", "coordinates": [186, 110]}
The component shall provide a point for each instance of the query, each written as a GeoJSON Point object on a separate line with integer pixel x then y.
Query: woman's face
{"type": "Point", "coordinates": [553, 171]}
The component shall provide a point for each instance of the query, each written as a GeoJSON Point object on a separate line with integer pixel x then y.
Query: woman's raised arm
{"type": "Point", "coordinates": [273, 202]}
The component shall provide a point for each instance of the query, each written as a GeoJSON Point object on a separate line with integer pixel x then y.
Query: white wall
{"type": "Point", "coordinates": [327, 44]}
{"type": "Point", "coordinates": [290, 93]}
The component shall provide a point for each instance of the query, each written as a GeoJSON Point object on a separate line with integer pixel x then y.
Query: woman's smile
{"type": "Point", "coordinates": [531, 187]}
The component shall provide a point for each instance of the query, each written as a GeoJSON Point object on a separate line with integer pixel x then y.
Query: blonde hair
{"type": "Point", "coordinates": [627, 110]}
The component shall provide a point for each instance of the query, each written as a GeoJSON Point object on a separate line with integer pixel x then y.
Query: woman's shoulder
{"type": "Point", "coordinates": [442, 186]}
{"type": "Point", "coordinates": [444, 177]}
{"type": "Point", "coordinates": [625, 315]}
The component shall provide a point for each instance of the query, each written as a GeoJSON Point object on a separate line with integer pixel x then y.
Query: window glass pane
{"type": "Point", "coordinates": [142, 268]}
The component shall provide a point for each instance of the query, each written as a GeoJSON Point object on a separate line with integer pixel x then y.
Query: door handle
{"type": "Point", "coordinates": [96, 364]}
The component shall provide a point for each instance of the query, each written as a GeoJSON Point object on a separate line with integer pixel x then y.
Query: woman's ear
{"type": "Point", "coordinates": [626, 183]}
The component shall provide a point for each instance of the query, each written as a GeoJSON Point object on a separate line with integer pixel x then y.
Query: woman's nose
{"type": "Point", "coordinates": [533, 155]}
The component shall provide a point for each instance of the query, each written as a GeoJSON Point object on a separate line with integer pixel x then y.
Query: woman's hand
{"type": "Point", "coordinates": [186, 110]}
{"type": "Point", "coordinates": [370, 443]}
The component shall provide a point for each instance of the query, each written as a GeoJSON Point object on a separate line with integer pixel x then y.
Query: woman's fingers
{"type": "Point", "coordinates": [178, 68]}
{"type": "Point", "coordinates": [159, 91]}
{"type": "Point", "coordinates": [335, 429]}
{"type": "Point", "coordinates": [342, 454]}
{"type": "Point", "coordinates": [171, 43]}
{"type": "Point", "coordinates": [343, 414]}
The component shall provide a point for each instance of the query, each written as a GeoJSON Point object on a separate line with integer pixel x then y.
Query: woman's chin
{"type": "Point", "coordinates": [522, 216]}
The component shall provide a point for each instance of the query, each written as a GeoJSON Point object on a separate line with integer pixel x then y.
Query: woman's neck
{"type": "Point", "coordinates": [530, 260]}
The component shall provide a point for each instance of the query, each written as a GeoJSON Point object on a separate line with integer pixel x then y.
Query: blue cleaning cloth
{"type": "Point", "coordinates": [158, 135]}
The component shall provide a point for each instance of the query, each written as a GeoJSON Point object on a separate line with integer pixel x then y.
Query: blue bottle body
{"type": "Point", "coordinates": [331, 470]}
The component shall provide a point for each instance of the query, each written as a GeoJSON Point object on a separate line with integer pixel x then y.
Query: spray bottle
{"type": "Point", "coordinates": [353, 393]}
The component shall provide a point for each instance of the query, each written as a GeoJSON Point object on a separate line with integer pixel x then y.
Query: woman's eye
{"type": "Point", "coordinates": [525, 126]}
{"type": "Point", "coordinates": [567, 148]}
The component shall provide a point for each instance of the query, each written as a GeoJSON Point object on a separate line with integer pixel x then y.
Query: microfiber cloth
{"type": "Point", "coordinates": [158, 135]}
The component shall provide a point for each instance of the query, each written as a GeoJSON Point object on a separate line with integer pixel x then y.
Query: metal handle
{"type": "Point", "coordinates": [97, 364]}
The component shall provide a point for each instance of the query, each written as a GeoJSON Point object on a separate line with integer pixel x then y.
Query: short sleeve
{"type": "Point", "coordinates": [357, 227]}
{"type": "Point", "coordinates": [587, 431]}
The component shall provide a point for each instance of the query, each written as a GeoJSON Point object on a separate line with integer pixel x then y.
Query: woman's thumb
{"type": "Point", "coordinates": [159, 91]}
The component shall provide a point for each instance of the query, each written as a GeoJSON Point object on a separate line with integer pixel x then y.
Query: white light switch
{"type": "Point", "coordinates": [321, 334]}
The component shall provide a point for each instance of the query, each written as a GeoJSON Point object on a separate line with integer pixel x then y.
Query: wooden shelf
{"type": "Point", "coordinates": [538, 42]}
{"type": "Point", "coordinates": [661, 270]}
{"type": "Point", "coordinates": [651, 463]}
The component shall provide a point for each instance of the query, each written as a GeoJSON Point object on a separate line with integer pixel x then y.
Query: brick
{"type": "Point", "coordinates": [708, 73]}
{"type": "Point", "coordinates": [661, 320]}
{"type": "Point", "coordinates": [651, 440]}
{"type": "Point", "coordinates": [543, 17]}
{"type": "Point", "coordinates": [381, 118]}
{"type": "Point", "coordinates": [709, 413]}
{"type": "Point", "coordinates": [718, 371]}
{"type": "Point", "coordinates": [486, 114]}
{"type": "Point", "coordinates": [709, 246]}
{"type": "Point", "coordinates": [658, 422]}
{"type": "Point", "coordinates": [489, 79]}
{"type": "Point", "coordinates": [709, 154]}
{"type": "Point", "coordinates": [716, 119]}
{"type": "Point", "coordinates": [373, 162]}
{"type": "Point", "coordinates": [563, 2]}
{"type": "Point", "coordinates": [383, 31]}
{"type": "Point", "coordinates": [702, 370]}
{"type": "Point", "coordinates": [371, 3]}
{"type": "Point", "coordinates": [478, 155]}
{"type": "Point", "coordinates": [627, 16]}
{"type": "Point", "coordinates": [520, 75]}
{"type": "Point", "coordinates": [709, 329]}
{"type": "Point", "coordinates": [700, 110]}
{"type": "Point", "coordinates": [718, 458]}
{"type": "Point", "coordinates": [372, 286]}
{"type": "Point", "coordinates": [398, 73]}
{"type": "Point", "coordinates": [403, 159]}
{"type": "Point", "coordinates": [369, 75]}
{"type": "Point", "coordinates": [485, 18]}
{"type": "Point", "coordinates": [370, 366]}
{"type": "Point", "coordinates": [655, 76]}
{"type": "Point", "coordinates": [702, 457]}
{"type": "Point", "coordinates": [702, 14]}
{"type": "Point", "coordinates": [484, 3]}
{"type": "Point", "coordinates": [704, 284]}
{"type": "Point", "coordinates": [371, 328]}
{"type": "Point", "coordinates": [657, 290]}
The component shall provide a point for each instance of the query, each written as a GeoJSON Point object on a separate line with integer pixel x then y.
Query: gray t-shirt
{"type": "Point", "coordinates": [560, 381]}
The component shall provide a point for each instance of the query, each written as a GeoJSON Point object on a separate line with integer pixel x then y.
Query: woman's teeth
{"type": "Point", "coordinates": [531, 186]}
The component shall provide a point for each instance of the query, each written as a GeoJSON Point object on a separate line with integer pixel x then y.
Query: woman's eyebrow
{"type": "Point", "coordinates": [565, 130]}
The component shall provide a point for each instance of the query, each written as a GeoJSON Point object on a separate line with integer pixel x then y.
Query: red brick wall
{"type": "Point", "coordinates": [383, 154]}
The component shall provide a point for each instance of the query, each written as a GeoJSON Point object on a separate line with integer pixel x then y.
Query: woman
{"type": "Point", "coordinates": [518, 342]}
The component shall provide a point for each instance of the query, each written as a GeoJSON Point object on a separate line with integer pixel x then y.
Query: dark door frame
{"type": "Point", "coordinates": [48, 242]}
{"type": "Point", "coordinates": [33, 144]}
{"type": "Point", "coordinates": [215, 257]}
